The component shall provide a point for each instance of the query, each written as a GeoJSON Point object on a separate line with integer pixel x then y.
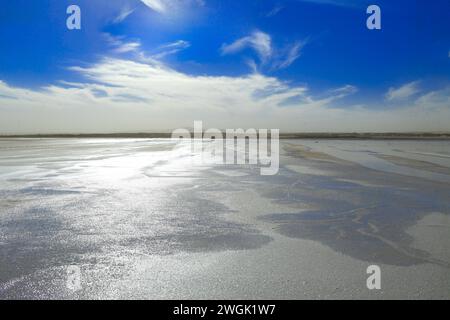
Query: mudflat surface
{"type": "Point", "coordinates": [141, 221]}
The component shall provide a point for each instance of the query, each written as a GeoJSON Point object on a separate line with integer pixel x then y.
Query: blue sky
{"type": "Point", "coordinates": [311, 59]}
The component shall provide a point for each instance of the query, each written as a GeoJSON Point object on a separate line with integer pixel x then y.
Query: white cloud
{"type": "Point", "coordinates": [170, 48]}
{"type": "Point", "coordinates": [124, 95]}
{"type": "Point", "coordinates": [345, 90]}
{"type": "Point", "coordinates": [435, 99]}
{"type": "Point", "coordinates": [176, 44]}
{"type": "Point", "coordinates": [169, 6]}
{"type": "Point", "coordinates": [275, 10]}
{"type": "Point", "coordinates": [259, 41]}
{"type": "Point", "coordinates": [156, 5]}
{"type": "Point", "coordinates": [124, 13]}
{"type": "Point", "coordinates": [120, 45]}
{"type": "Point", "coordinates": [288, 56]}
{"type": "Point", "coordinates": [270, 56]}
{"type": "Point", "coordinates": [128, 96]}
{"type": "Point", "coordinates": [403, 92]}
{"type": "Point", "coordinates": [128, 47]}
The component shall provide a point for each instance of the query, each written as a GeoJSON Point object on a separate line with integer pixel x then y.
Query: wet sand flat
{"type": "Point", "coordinates": [141, 221]}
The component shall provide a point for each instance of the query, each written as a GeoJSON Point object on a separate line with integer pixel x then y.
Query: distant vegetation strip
{"type": "Point", "coordinates": [383, 136]}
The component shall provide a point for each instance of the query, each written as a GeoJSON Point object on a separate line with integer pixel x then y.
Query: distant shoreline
{"type": "Point", "coordinates": [319, 136]}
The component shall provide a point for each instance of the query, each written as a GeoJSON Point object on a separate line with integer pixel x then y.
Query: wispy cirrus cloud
{"type": "Point", "coordinates": [128, 47]}
{"type": "Point", "coordinates": [275, 10]}
{"type": "Point", "coordinates": [403, 92]}
{"type": "Point", "coordinates": [170, 49]}
{"type": "Point", "coordinates": [167, 6]}
{"type": "Point", "coordinates": [284, 58]}
{"type": "Point", "coordinates": [270, 56]}
{"type": "Point", "coordinates": [121, 45]}
{"type": "Point", "coordinates": [435, 99]}
{"type": "Point", "coordinates": [156, 5]}
{"type": "Point", "coordinates": [259, 41]}
{"type": "Point", "coordinates": [124, 13]}
{"type": "Point", "coordinates": [345, 91]}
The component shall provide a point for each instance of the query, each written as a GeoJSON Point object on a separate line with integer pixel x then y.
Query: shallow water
{"type": "Point", "coordinates": [140, 220]}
